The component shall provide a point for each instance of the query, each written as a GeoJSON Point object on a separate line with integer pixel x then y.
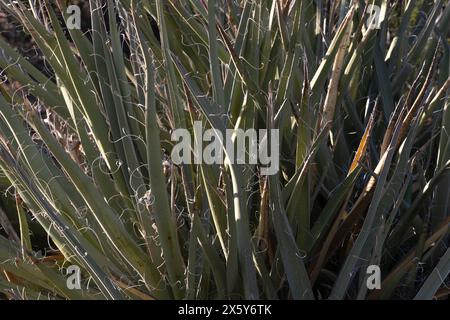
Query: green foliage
{"type": "Point", "coordinates": [364, 120]}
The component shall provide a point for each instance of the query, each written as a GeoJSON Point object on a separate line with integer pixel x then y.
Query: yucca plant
{"type": "Point", "coordinates": [361, 104]}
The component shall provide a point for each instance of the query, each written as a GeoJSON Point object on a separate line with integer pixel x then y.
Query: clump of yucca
{"type": "Point", "coordinates": [364, 121]}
